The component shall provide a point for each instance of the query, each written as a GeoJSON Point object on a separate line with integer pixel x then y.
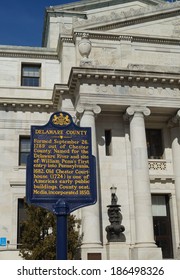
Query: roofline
{"type": "Point", "coordinates": [79, 9]}
{"type": "Point", "coordinates": [88, 4]}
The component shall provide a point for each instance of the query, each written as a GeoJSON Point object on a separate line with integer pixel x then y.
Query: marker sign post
{"type": "Point", "coordinates": [61, 172]}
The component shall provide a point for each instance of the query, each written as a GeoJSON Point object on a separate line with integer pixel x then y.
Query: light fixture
{"type": "Point", "coordinates": [113, 190]}
{"type": "Point", "coordinates": [115, 229]}
{"type": "Point", "coordinates": [114, 198]}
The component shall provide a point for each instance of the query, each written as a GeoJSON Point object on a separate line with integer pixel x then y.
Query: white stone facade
{"type": "Point", "coordinates": [113, 65]}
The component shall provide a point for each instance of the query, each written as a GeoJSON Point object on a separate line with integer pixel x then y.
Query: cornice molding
{"type": "Point", "coordinates": [124, 76]}
{"type": "Point", "coordinates": [129, 17]}
{"type": "Point", "coordinates": [95, 76]}
{"type": "Point", "coordinates": [58, 91]}
{"type": "Point", "coordinates": [39, 53]}
{"type": "Point", "coordinates": [124, 37]}
{"type": "Point", "coordinates": [12, 104]}
{"type": "Point", "coordinates": [115, 77]}
{"type": "Point", "coordinates": [67, 38]}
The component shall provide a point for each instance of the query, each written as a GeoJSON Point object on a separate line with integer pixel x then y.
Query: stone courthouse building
{"type": "Point", "coordinates": [114, 65]}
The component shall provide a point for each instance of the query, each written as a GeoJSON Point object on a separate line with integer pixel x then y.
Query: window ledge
{"type": "Point", "coordinates": [162, 179]}
{"type": "Point", "coordinates": [17, 184]}
{"type": "Point", "coordinates": [20, 167]}
{"type": "Point", "coordinates": [156, 159]}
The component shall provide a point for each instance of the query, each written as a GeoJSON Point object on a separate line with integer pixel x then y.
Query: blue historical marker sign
{"type": "Point", "coordinates": [61, 168]}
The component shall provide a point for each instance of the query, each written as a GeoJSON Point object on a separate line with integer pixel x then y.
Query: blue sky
{"type": "Point", "coordinates": [21, 21]}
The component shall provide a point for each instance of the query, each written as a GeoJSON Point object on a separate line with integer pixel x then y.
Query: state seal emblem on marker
{"type": "Point", "coordinates": [61, 119]}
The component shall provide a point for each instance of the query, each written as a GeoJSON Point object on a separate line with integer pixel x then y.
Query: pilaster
{"type": "Point", "coordinates": [174, 124]}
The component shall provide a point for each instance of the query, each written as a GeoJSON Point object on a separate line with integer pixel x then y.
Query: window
{"type": "Point", "coordinates": [108, 137]}
{"type": "Point", "coordinates": [159, 205]}
{"type": "Point", "coordinates": [24, 149]}
{"type": "Point", "coordinates": [20, 219]}
{"type": "Point", "coordinates": [30, 76]}
{"type": "Point", "coordinates": [162, 224]}
{"type": "Point", "coordinates": [154, 143]}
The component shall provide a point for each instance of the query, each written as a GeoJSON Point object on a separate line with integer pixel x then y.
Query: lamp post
{"type": "Point", "coordinates": [115, 229]}
{"type": "Point", "coordinates": [114, 198]}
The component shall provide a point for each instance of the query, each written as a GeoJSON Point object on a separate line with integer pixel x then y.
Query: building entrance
{"type": "Point", "coordinates": [162, 224]}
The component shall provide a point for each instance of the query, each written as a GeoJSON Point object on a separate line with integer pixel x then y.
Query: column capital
{"type": "Point", "coordinates": [130, 111]}
{"type": "Point", "coordinates": [81, 108]}
{"type": "Point", "coordinates": [174, 121]}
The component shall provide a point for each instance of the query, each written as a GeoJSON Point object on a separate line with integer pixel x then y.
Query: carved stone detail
{"type": "Point", "coordinates": [88, 107]}
{"type": "Point", "coordinates": [107, 57]}
{"type": "Point", "coordinates": [106, 89]}
{"type": "Point", "coordinates": [84, 46]}
{"type": "Point", "coordinates": [114, 16]}
{"type": "Point", "coordinates": [157, 165]}
{"type": "Point", "coordinates": [176, 30]}
{"type": "Point", "coordinates": [65, 30]}
{"type": "Point", "coordinates": [130, 111]}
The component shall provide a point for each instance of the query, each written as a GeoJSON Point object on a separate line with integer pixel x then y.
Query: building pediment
{"type": "Point", "coordinates": [153, 20]}
{"type": "Point", "coordinates": [96, 5]}
{"type": "Point", "coordinates": [95, 14]}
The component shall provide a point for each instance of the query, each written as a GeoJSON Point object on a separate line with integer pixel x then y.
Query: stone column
{"type": "Point", "coordinates": [145, 243]}
{"type": "Point", "coordinates": [175, 136]}
{"type": "Point", "coordinates": [91, 214]}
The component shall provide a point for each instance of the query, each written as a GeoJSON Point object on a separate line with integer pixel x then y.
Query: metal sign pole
{"type": "Point", "coordinates": [61, 210]}
{"type": "Point", "coordinates": [61, 237]}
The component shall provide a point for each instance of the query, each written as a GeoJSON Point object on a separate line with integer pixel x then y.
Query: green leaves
{"type": "Point", "coordinates": [39, 235]}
